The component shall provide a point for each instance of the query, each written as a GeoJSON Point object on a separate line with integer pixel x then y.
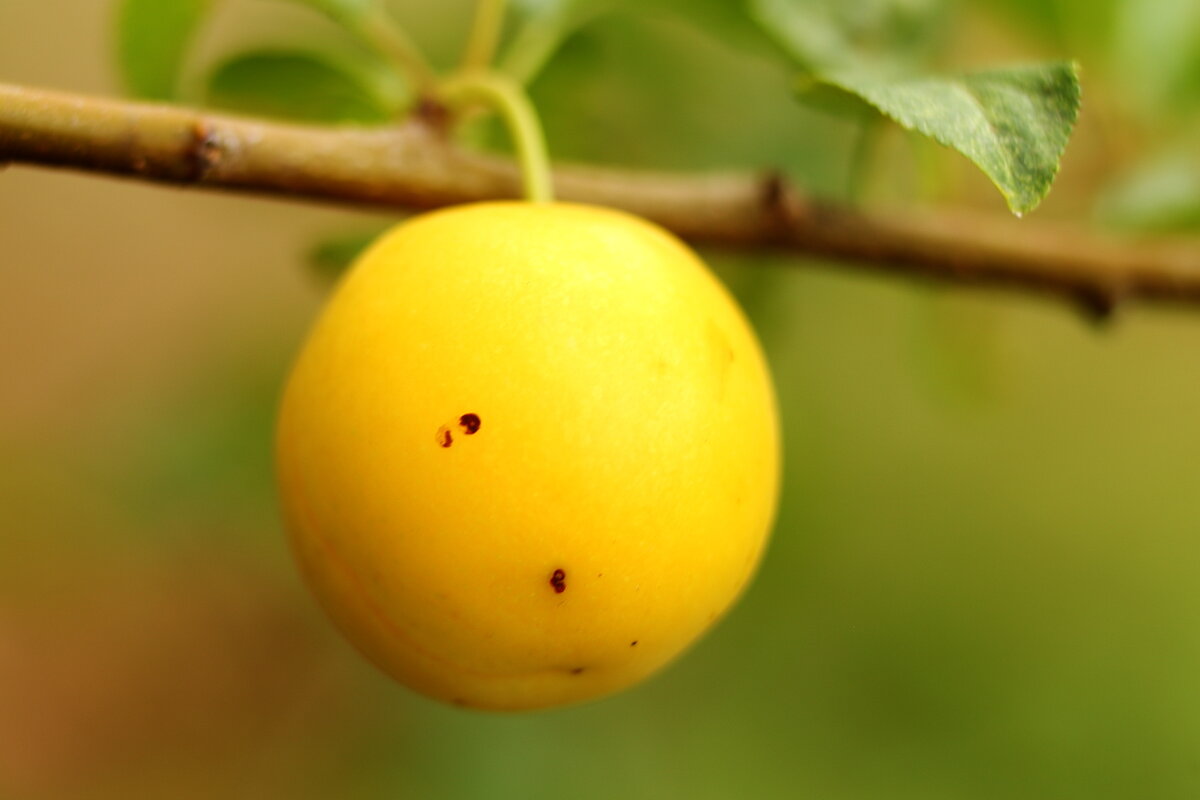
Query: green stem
{"type": "Point", "coordinates": [506, 97]}
{"type": "Point", "coordinates": [862, 158]}
{"type": "Point", "coordinates": [485, 34]}
{"type": "Point", "coordinates": [381, 32]}
{"type": "Point", "coordinates": [933, 184]}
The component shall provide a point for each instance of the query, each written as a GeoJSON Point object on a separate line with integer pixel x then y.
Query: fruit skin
{"type": "Point", "coordinates": [615, 495]}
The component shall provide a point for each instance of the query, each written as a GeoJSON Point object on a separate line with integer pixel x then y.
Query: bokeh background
{"type": "Point", "coordinates": [984, 582]}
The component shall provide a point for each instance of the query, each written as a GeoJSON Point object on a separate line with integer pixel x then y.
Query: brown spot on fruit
{"type": "Point", "coordinates": [577, 671]}
{"type": "Point", "coordinates": [633, 643]}
{"type": "Point", "coordinates": [559, 581]}
{"type": "Point", "coordinates": [443, 438]}
{"type": "Point", "coordinates": [470, 423]}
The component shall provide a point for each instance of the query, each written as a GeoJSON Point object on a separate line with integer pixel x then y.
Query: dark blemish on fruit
{"type": "Point", "coordinates": [470, 423]}
{"type": "Point", "coordinates": [444, 439]}
{"type": "Point", "coordinates": [633, 643]}
{"type": "Point", "coordinates": [559, 581]}
{"type": "Point", "coordinates": [577, 671]}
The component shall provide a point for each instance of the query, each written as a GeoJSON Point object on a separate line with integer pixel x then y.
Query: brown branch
{"type": "Point", "coordinates": [412, 166]}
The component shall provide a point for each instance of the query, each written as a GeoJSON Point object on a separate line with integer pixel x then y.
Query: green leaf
{"type": "Point", "coordinates": [831, 98]}
{"type": "Point", "coordinates": [301, 86]}
{"type": "Point", "coordinates": [152, 41]}
{"type": "Point", "coordinates": [1013, 123]}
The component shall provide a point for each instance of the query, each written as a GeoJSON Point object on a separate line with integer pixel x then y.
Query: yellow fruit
{"type": "Point", "coordinates": [528, 454]}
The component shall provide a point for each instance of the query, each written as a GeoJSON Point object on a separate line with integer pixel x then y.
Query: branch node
{"type": "Point", "coordinates": [433, 115]}
{"type": "Point", "coordinates": [773, 186]}
{"type": "Point", "coordinates": [204, 152]}
{"type": "Point", "coordinates": [780, 204]}
{"type": "Point", "coordinates": [1099, 304]}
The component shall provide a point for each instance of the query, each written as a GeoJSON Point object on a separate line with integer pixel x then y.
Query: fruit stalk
{"type": "Point", "coordinates": [506, 97]}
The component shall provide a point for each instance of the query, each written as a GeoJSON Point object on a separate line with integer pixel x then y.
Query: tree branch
{"type": "Point", "coordinates": [414, 167]}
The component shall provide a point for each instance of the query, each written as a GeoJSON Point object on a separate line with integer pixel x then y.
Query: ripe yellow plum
{"type": "Point", "coordinates": [528, 454]}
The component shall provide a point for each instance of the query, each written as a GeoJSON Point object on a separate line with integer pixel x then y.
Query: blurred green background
{"type": "Point", "coordinates": [984, 582]}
